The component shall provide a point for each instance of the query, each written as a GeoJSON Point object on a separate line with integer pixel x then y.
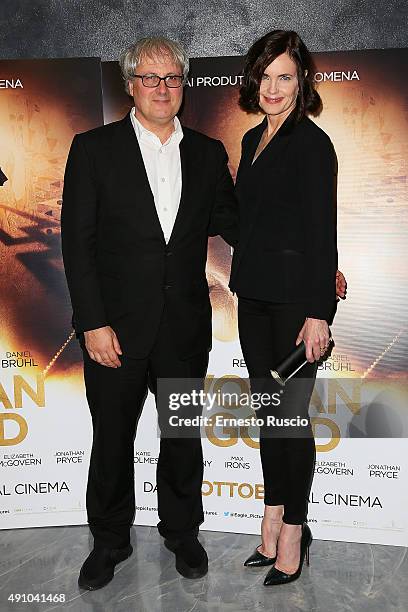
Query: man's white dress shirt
{"type": "Point", "coordinates": [163, 168]}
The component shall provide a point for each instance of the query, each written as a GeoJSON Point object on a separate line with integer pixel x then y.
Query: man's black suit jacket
{"type": "Point", "coordinates": [287, 242]}
{"type": "Point", "coordinates": [119, 269]}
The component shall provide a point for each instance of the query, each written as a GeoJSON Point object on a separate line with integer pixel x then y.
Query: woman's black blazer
{"type": "Point", "coordinates": [287, 204]}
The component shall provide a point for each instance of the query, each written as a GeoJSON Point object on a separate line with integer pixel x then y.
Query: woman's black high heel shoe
{"type": "Point", "coordinates": [275, 576]}
{"type": "Point", "coordinates": [257, 559]}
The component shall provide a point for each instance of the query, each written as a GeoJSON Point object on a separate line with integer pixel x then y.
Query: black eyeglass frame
{"type": "Point", "coordinates": [160, 79]}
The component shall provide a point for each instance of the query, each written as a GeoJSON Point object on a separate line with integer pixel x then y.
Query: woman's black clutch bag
{"type": "Point", "coordinates": [291, 364]}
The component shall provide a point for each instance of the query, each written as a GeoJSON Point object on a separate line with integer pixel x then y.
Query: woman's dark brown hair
{"type": "Point", "coordinates": [261, 54]}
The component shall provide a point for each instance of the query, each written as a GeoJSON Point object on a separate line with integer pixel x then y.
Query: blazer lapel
{"type": "Point", "coordinates": [129, 166]}
{"type": "Point", "coordinates": [271, 154]}
{"type": "Point", "coordinates": [253, 142]}
{"type": "Point", "coordinates": [188, 166]}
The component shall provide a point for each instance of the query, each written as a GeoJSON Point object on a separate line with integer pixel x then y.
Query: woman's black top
{"type": "Point", "coordinates": [287, 205]}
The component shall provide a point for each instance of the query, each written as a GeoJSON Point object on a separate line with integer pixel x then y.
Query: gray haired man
{"type": "Point", "coordinates": [141, 197]}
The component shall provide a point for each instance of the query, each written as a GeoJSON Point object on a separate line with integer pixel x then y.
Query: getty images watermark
{"type": "Point", "coordinates": [199, 400]}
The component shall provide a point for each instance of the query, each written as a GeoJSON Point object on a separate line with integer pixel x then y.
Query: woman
{"type": "Point", "coordinates": [284, 273]}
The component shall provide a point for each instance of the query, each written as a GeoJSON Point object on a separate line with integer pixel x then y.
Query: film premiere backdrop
{"type": "Point", "coordinates": [360, 488]}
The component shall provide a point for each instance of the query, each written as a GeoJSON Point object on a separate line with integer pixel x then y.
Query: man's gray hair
{"type": "Point", "coordinates": [151, 47]}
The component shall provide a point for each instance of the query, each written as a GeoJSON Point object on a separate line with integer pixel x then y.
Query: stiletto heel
{"type": "Point", "coordinates": [275, 576]}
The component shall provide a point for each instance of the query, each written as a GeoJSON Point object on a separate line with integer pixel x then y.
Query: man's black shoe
{"type": "Point", "coordinates": [98, 569]}
{"type": "Point", "coordinates": [191, 558]}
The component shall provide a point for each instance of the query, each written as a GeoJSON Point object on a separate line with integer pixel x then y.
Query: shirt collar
{"type": "Point", "coordinates": [145, 135]}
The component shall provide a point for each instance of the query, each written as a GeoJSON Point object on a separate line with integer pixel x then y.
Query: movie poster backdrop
{"type": "Point", "coordinates": [45, 428]}
{"type": "Point", "coordinates": [358, 408]}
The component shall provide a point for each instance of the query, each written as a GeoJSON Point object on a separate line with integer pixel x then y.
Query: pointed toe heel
{"type": "Point", "coordinates": [276, 576]}
{"type": "Point", "coordinates": [257, 559]}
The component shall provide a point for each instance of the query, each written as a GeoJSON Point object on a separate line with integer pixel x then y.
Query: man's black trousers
{"type": "Point", "coordinates": [116, 398]}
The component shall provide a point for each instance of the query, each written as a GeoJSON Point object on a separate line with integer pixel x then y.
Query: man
{"type": "Point", "coordinates": [141, 196]}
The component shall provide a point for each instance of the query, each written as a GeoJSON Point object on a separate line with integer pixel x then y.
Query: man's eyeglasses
{"type": "Point", "coordinates": [153, 80]}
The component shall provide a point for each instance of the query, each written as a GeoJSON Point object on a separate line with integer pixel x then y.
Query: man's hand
{"type": "Point", "coordinates": [315, 334]}
{"type": "Point", "coordinates": [341, 285]}
{"type": "Point", "coordinates": [103, 346]}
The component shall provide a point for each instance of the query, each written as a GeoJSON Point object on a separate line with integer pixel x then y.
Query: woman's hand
{"type": "Point", "coordinates": [341, 285]}
{"type": "Point", "coordinates": [315, 334]}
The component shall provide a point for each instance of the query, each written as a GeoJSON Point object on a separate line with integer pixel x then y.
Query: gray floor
{"type": "Point", "coordinates": [341, 577]}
